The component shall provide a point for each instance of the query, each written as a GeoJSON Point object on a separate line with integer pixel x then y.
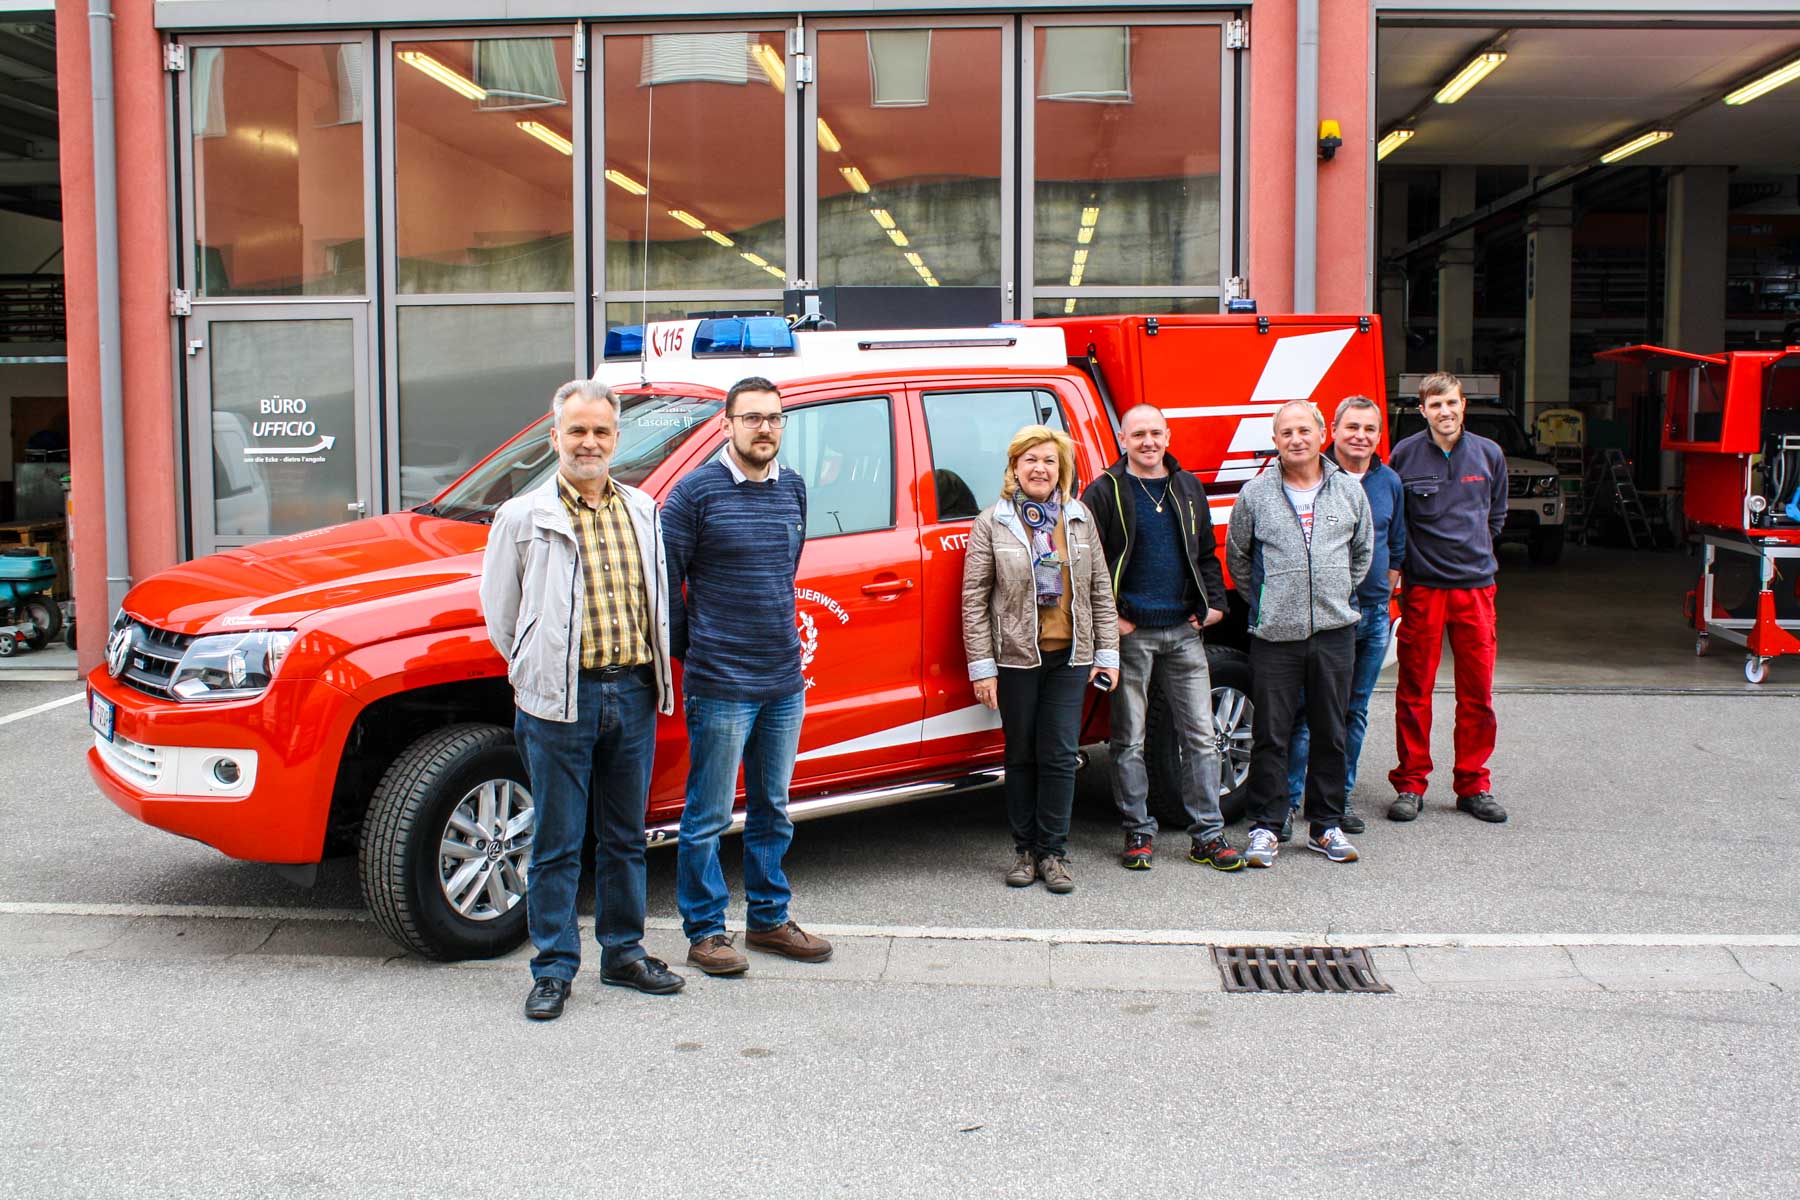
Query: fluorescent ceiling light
{"type": "Point", "coordinates": [1765, 85]}
{"type": "Point", "coordinates": [1642, 142]}
{"type": "Point", "coordinates": [548, 136]}
{"type": "Point", "coordinates": [1090, 216]}
{"type": "Point", "coordinates": [923, 270]}
{"type": "Point", "coordinates": [1081, 258]}
{"type": "Point", "coordinates": [462, 85]}
{"type": "Point", "coordinates": [1069, 306]}
{"type": "Point", "coordinates": [755, 260]}
{"type": "Point", "coordinates": [1075, 274]}
{"type": "Point", "coordinates": [898, 238]}
{"type": "Point", "coordinates": [914, 259]}
{"type": "Point", "coordinates": [1477, 70]}
{"type": "Point", "coordinates": [882, 218]}
{"type": "Point", "coordinates": [855, 179]}
{"type": "Point", "coordinates": [687, 218]}
{"type": "Point", "coordinates": [1086, 235]}
{"type": "Point", "coordinates": [827, 139]}
{"type": "Point", "coordinates": [777, 272]}
{"type": "Point", "coordinates": [931, 281]}
{"type": "Point", "coordinates": [1394, 139]}
{"type": "Point", "coordinates": [718, 237]}
{"type": "Point", "coordinates": [769, 59]}
{"type": "Point", "coordinates": [625, 181]}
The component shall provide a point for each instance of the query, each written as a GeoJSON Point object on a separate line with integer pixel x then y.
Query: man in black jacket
{"type": "Point", "coordinates": [1157, 531]}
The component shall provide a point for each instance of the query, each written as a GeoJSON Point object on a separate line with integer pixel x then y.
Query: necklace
{"type": "Point", "coordinates": [1148, 495]}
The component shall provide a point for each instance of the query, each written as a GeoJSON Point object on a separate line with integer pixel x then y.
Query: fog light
{"type": "Point", "coordinates": [225, 772]}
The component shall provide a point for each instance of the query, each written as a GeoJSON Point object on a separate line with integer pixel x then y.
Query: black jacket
{"type": "Point", "coordinates": [1110, 499]}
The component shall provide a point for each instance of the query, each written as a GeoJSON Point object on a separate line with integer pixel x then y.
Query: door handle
{"type": "Point", "coordinates": [887, 587]}
{"type": "Point", "coordinates": [357, 506]}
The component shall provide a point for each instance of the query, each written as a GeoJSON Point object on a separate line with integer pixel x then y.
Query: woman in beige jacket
{"type": "Point", "coordinates": [1039, 624]}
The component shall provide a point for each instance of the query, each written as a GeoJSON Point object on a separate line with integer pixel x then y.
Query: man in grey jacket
{"type": "Point", "coordinates": [575, 593]}
{"type": "Point", "coordinates": [1299, 544]}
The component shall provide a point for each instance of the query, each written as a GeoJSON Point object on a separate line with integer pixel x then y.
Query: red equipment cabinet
{"type": "Point", "coordinates": [1735, 420]}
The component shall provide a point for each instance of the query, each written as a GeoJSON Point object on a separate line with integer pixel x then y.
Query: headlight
{"type": "Point", "coordinates": [1546, 485]}
{"type": "Point", "coordinates": [230, 666]}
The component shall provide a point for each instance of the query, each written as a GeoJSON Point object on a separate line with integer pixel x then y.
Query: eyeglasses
{"type": "Point", "coordinates": [759, 420]}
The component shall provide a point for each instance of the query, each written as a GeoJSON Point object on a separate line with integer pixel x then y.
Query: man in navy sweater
{"type": "Point", "coordinates": [1355, 433]}
{"type": "Point", "coordinates": [734, 529]}
{"type": "Point", "coordinates": [1455, 493]}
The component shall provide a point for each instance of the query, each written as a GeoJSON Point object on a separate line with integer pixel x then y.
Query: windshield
{"type": "Point", "coordinates": [1500, 427]}
{"type": "Point", "coordinates": [651, 426]}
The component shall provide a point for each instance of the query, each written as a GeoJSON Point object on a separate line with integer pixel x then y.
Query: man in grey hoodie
{"type": "Point", "coordinates": [1300, 542]}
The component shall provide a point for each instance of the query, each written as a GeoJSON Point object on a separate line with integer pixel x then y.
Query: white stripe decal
{"type": "Point", "coordinates": [1298, 364]}
{"type": "Point", "coordinates": [975, 718]}
{"type": "Point", "coordinates": [881, 739]}
{"type": "Point", "coordinates": [1253, 434]}
{"type": "Point", "coordinates": [1226, 410]}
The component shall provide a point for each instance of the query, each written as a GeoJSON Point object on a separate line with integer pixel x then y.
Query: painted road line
{"type": "Point", "coordinates": [35, 709]}
{"type": "Point", "coordinates": [1391, 939]}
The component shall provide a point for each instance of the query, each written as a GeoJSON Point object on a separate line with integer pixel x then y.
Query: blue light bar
{"type": "Point", "coordinates": [760, 337]}
{"type": "Point", "coordinates": [624, 341]}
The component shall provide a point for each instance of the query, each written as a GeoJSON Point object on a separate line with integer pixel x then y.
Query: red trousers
{"type": "Point", "coordinates": [1425, 613]}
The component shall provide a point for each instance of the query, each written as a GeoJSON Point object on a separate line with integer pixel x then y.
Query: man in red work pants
{"type": "Point", "coordinates": [1455, 496]}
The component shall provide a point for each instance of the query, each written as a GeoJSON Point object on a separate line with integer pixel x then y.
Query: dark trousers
{"type": "Point", "coordinates": [1040, 716]}
{"type": "Point", "coordinates": [1279, 672]}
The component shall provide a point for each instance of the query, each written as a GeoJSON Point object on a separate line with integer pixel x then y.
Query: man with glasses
{"type": "Point", "coordinates": [734, 529]}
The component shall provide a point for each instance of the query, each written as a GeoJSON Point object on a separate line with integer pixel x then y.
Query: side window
{"type": "Point", "coordinates": [969, 433]}
{"type": "Point", "coordinates": [845, 452]}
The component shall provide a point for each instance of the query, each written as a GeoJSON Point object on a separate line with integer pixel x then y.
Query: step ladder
{"type": "Point", "coordinates": [1609, 481]}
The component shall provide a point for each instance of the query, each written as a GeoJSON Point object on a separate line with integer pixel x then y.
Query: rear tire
{"type": "Point", "coordinates": [1232, 714]}
{"type": "Point", "coordinates": [402, 856]}
{"type": "Point", "coordinates": [48, 619]}
{"type": "Point", "coordinates": [1547, 545]}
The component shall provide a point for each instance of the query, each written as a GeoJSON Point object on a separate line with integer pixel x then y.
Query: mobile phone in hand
{"type": "Point", "coordinates": [1103, 682]}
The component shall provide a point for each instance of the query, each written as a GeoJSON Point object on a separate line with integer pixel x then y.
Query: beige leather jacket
{"type": "Point", "coordinates": [999, 600]}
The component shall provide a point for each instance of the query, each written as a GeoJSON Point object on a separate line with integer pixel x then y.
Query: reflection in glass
{"type": "Point", "coordinates": [632, 313]}
{"type": "Point", "coordinates": [471, 376]}
{"type": "Point", "coordinates": [1127, 156]}
{"type": "Point", "coordinates": [909, 156]}
{"type": "Point", "coordinates": [1098, 306]}
{"type": "Point", "coordinates": [283, 425]}
{"type": "Point", "coordinates": [969, 434]}
{"type": "Point", "coordinates": [278, 169]}
{"type": "Point", "coordinates": [696, 154]}
{"type": "Point", "coordinates": [484, 166]}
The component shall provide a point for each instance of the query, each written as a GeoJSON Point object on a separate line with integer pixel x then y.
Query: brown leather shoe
{"type": "Point", "coordinates": [791, 941]}
{"type": "Point", "coordinates": [716, 955]}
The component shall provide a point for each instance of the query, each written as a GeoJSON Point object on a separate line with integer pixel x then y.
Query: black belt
{"type": "Point", "coordinates": [615, 674]}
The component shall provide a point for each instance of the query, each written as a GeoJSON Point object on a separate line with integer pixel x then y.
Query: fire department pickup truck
{"type": "Point", "coordinates": [335, 691]}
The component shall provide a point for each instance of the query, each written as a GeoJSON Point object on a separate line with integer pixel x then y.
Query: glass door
{"type": "Point", "coordinates": [278, 402]}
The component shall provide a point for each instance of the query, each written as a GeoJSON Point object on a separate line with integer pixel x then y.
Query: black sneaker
{"type": "Point", "coordinates": [1483, 807]}
{"type": "Point", "coordinates": [1406, 806]}
{"type": "Point", "coordinates": [1351, 822]}
{"type": "Point", "coordinates": [1138, 849]}
{"type": "Point", "coordinates": [545, 1003]}
{"type": "Point", "coordinates": [1287, 828]}
{"type": "Point", "coordinates": [1215, 852]}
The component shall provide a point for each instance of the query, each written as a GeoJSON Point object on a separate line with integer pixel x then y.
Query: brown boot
{"type": "Point", "coordinates": [716, 955]}
{"type": "Point", "coordinates": [790, 941]}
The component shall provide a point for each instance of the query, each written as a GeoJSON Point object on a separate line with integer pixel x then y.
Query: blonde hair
{"type": "Point", "coordinates": [1037, 435]}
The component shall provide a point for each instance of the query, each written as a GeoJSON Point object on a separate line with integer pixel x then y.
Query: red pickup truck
{"type": "Point", "coordinates": [335, 690]}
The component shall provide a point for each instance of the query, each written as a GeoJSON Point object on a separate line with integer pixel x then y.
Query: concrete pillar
{"type": "Point", "coordinates": [1390, 280]}
{"type": "Point", "coordinates": [1456, 273]}
{"type": "Point", "coordinates": [1694, 282]}
{"type": "Point", "coordinates": [1547, 276]}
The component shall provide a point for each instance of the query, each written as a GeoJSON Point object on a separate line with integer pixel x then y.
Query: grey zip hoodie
{"type": "Point", "coordinates": [1295, 590]}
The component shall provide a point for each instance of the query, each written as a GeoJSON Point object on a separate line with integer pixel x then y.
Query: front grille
{"type": "Point", "coordinates": [1292, 969]}
{"type": "Point", "coordinates": [142, 765]}
{"type": "Point", "coordinates": [154, 656]}
{"type": "Point", "coordinates": [1518, 485]}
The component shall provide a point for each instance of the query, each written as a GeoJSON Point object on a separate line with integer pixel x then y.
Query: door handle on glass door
{"type": "Point", "coordinates": [887, 587]}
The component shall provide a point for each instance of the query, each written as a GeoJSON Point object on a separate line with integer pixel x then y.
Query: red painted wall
{"type": "Point", "coordinates": [149, 481]}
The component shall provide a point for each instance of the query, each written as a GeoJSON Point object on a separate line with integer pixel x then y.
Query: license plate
{"type": "Point", "coordinates": [100, 715]}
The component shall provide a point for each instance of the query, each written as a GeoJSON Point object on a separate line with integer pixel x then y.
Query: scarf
{"type": "Point", "coordinates": [1040, 517]}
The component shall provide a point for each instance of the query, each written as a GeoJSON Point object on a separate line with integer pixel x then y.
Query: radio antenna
{"type": "Point", "coordinates": [644, 281]}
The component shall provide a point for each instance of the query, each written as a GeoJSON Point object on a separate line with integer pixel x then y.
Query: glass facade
{"type": "Point", "coordinates": [425, 231]}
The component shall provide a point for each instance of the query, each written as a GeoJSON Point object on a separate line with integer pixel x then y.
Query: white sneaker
{"type": "Point", "coordinates": [1262, 849]}
{"type": "Point", "coordinates": [1333, 845]}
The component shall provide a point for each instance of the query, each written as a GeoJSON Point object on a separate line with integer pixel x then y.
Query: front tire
{"type": "Point", "coordinates": [1232, 715]}
{"type": "Point", "coordinates": [446, 844]}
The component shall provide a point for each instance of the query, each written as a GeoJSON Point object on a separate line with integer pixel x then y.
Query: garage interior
{"type": "Point", "coordinates": [1509, 249]}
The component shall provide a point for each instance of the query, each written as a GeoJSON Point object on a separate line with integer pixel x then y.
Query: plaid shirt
{"type": "Point", "coordinates": [615, 620]}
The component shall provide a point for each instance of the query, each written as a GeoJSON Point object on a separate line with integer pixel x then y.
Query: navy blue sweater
{"type": "Point", "coordinates": [736, 546]}
{"type": "Point", "coordinates": [1455, 509]}
{"type": "Point", "coordinates": [1156, 589]}
{"type": "Point", "coordinates": [1382, 486]}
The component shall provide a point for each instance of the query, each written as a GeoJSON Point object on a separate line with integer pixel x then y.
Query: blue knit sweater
{"type": "Point", "coordinates": [1157, 589]}
{"type": "Point", "coordinates": [736, 546]}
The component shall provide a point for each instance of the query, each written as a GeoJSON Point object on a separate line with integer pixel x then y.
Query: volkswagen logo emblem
{"type": "Point", "coordinates": [118, 651]}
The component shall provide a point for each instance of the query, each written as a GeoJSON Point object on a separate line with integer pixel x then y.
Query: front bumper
{"type": "Point", "coordinates": [291, 736]}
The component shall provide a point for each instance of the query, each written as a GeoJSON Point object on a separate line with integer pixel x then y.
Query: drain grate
{"type": "Point", "coordinates": [1297, 969]}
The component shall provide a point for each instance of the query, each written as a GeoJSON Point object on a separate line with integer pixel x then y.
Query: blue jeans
{"type": "Point", "coordinates": [764, 736]}
{"type": "Point", "coordinates": [1372, 633]}
{"type": "Point", "coordinates": [599, 761]}
{"type": "Point", "coordinates": [1179, 655]}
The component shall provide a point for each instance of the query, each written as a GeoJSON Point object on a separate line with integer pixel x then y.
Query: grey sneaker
{"type": "Point", "coordinates": [1406, 806]}
{"type": "Point", "coordinates": [1263, 848]}
{"type": "Point", "coordinates": [1054, 869]}
{"type": "Point", "coordinates": [1024, 871]}
{"type": "Point", "coordinates": [1333, 845]}
{"type": "Point", "coordinates": [1483, 807]}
